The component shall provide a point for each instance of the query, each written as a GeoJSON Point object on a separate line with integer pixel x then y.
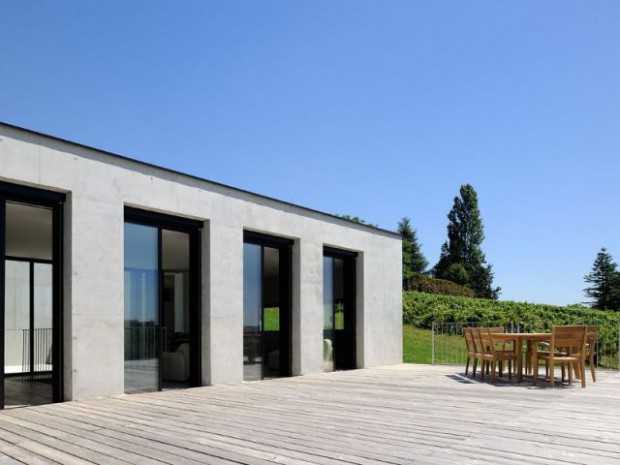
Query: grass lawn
{"type": "Point", "coordinates": [417, 347]}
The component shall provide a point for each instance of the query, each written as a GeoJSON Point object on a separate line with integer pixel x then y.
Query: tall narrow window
{"type": "Point", "coordinates": [339, 289]}
{"type": "Point", "coordinates": [266, 307]}
{"type": "Point", "coordinates": [162, 302]}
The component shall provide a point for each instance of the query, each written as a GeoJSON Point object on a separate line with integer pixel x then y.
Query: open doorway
{"type": "Point", "coordinates": [31, 332]}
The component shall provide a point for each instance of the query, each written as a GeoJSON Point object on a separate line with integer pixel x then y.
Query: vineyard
{"type": "Point", "coordinates": [425, 310]}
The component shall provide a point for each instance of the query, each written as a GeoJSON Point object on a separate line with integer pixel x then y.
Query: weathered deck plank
{"type": "Point", "coordinates": [406, 414]}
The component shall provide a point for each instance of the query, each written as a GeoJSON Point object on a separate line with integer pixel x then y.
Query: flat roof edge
{"type": "Point", "coordinates": [198, 178]}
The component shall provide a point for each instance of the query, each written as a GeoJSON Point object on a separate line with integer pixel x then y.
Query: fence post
{"type": "Point", "coordinates": [433, 343]}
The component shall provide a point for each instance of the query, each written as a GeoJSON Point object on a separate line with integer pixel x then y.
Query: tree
{"type": "Point", "coordinates": [357, 219]}
{"type": "Point", "coordinates": [413, 258]}
{"type": "Point", "coordinates": [462, 260]}
{"type": "Point", "coordinates": [605, 281]}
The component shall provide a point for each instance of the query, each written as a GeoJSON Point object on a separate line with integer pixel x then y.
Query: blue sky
{"type": "Point", "coordinates": [370, 108]}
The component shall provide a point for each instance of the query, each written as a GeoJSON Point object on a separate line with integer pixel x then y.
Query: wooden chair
{"type": "Point", "coordinates": [479, 349]}
{"type": "Point", "coordinates": [472, 350]}
{"type": "Point", "coordinates": [491, 356]}
{"type": "Point", "coordinates": [572, 341]}
{"type": "Point", "coordinates": [590, 351]}
{"type": "Point", "coordinates": [505, 345]}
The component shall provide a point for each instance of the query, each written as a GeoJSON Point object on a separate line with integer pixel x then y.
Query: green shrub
{"type": "Point", "coordinates": [422, 283]}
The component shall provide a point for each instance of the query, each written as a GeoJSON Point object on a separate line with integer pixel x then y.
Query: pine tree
{"type": "Point", "coordinates": [462, 260]}
{"type": "Point", "coordinates": [605, 280]}
{"type": "Point", "coordinates": [413, 258]}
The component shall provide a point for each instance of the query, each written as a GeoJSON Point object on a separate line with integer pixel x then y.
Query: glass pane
{"type": "Point", "coordinates": [17, 317]}
{"type": "Point", "coordinates": [271, 312]}
{"type": "Point", "coordinates": [338, 294]}
{"type": "Point", "coordinates": [42, 331]}
{"type": "Point", "coordinates": [142, 330]}
{"type": "Point", "coordinates": [252, 312]}
{"type": "Point", "coordinates": [328, 314]}
{"type": "Point", "coordinates": [176, 269]}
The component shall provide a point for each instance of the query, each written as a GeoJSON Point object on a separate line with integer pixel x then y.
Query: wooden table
{"type": "Point", "coordinates": [517, 339]}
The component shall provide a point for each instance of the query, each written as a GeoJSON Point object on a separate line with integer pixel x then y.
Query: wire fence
{"type": "Point", "coordinates": [448, 344]}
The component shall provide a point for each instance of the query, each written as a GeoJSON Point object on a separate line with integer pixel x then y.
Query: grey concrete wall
{"type": "Point", "coordinates": [99, 186]}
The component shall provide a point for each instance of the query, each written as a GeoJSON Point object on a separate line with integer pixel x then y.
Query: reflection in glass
{"type": "Point", "coordinates": [142, 331]}
{"type": "Point", "coordinates": [176, 290]}
{"type": "Point", "coordinates": [252, 312]}
{"type": "Point", "coordinates": [338, 295]}
{"type": "Point", "coordinates": [335, 340]}
{"type": "Point", "coordinates": [271, 312]}
{"type": "Point", "coordinates": [328, 314]}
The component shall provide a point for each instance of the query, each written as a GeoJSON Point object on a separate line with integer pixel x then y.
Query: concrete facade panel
{"type": "Point", "coordinates": [99, 186]}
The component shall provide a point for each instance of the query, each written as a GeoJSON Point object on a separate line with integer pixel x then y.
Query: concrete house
{"type": "Point", "coordinates": [117, 276]}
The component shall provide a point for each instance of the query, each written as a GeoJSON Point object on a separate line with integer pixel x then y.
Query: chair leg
{"type": "Point", "coordinates": [535, 372]}
{"type": "Point", "coordinates": [509, 369]}
{"type": "Point", "coordinates": [501, 369]}
{"type": "Point", "coordinates": [467, 366]}
{"type": "Point", "coordinates": [493, 370]}
{"type": "Point", "coordinates": [482, 367]}
{"type": "Point", "coordinates": [563, 367]}
{"type": "Point", "coordinates": [570, 373]}
{"type": "Point", "coordinates": [592, 367]}
{"type": "Point", "coordinates": [528, 357]}
{"type": "Point", "coordinates": [473, 370]}
{"type": "Point", "coordinates": [582, 368]}
{"type": "Point", "coordinates": [551, 373]}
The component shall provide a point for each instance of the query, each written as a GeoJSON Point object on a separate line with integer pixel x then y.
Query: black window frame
{"type": "Point", "coordinates": [285, 247]}
{"type": "Point", "coordinates": [37, 197]}
{"type": "Point", "coordinates": [346, 359]}
{"type": "Point", "coordinates": [193, 228]}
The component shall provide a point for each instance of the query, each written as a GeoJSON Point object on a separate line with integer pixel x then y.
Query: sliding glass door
{"type": "Point", "coordinates": [30, 277]}
{"type": "Point", "coordinates": [162, 302]}
{"type": "Point", "coordinates": [266, 307]}
{"type": "Point", "coordinates": [339, 310]}
{"type": "Point", "coordinates": [142, 326]}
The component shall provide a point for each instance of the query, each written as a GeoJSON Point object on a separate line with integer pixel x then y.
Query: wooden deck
{"type": "Point", "coordinates": [406, 414]}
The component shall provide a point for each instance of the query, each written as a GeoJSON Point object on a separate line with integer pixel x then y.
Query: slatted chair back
{"type": "Point", "coordinates": [469, 340]}
{"type": "Point", "coordinates": [486, 341]}
{"type": "Point", "coordinates": [572, 337]}
{"type": "Point", "coordinates": [475, 333]}
{"type": "Point", "coordinates": [592, 335]}
{"type": "Point", "coordinates": [497, 329]}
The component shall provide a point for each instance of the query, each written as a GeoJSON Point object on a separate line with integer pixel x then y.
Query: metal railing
{"type": "Point", "coordinates": [448, 344]}
{"type": "Point", "coordinates": [36, 353]}
{"type": "Point", "coordinates": [145, 342]}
